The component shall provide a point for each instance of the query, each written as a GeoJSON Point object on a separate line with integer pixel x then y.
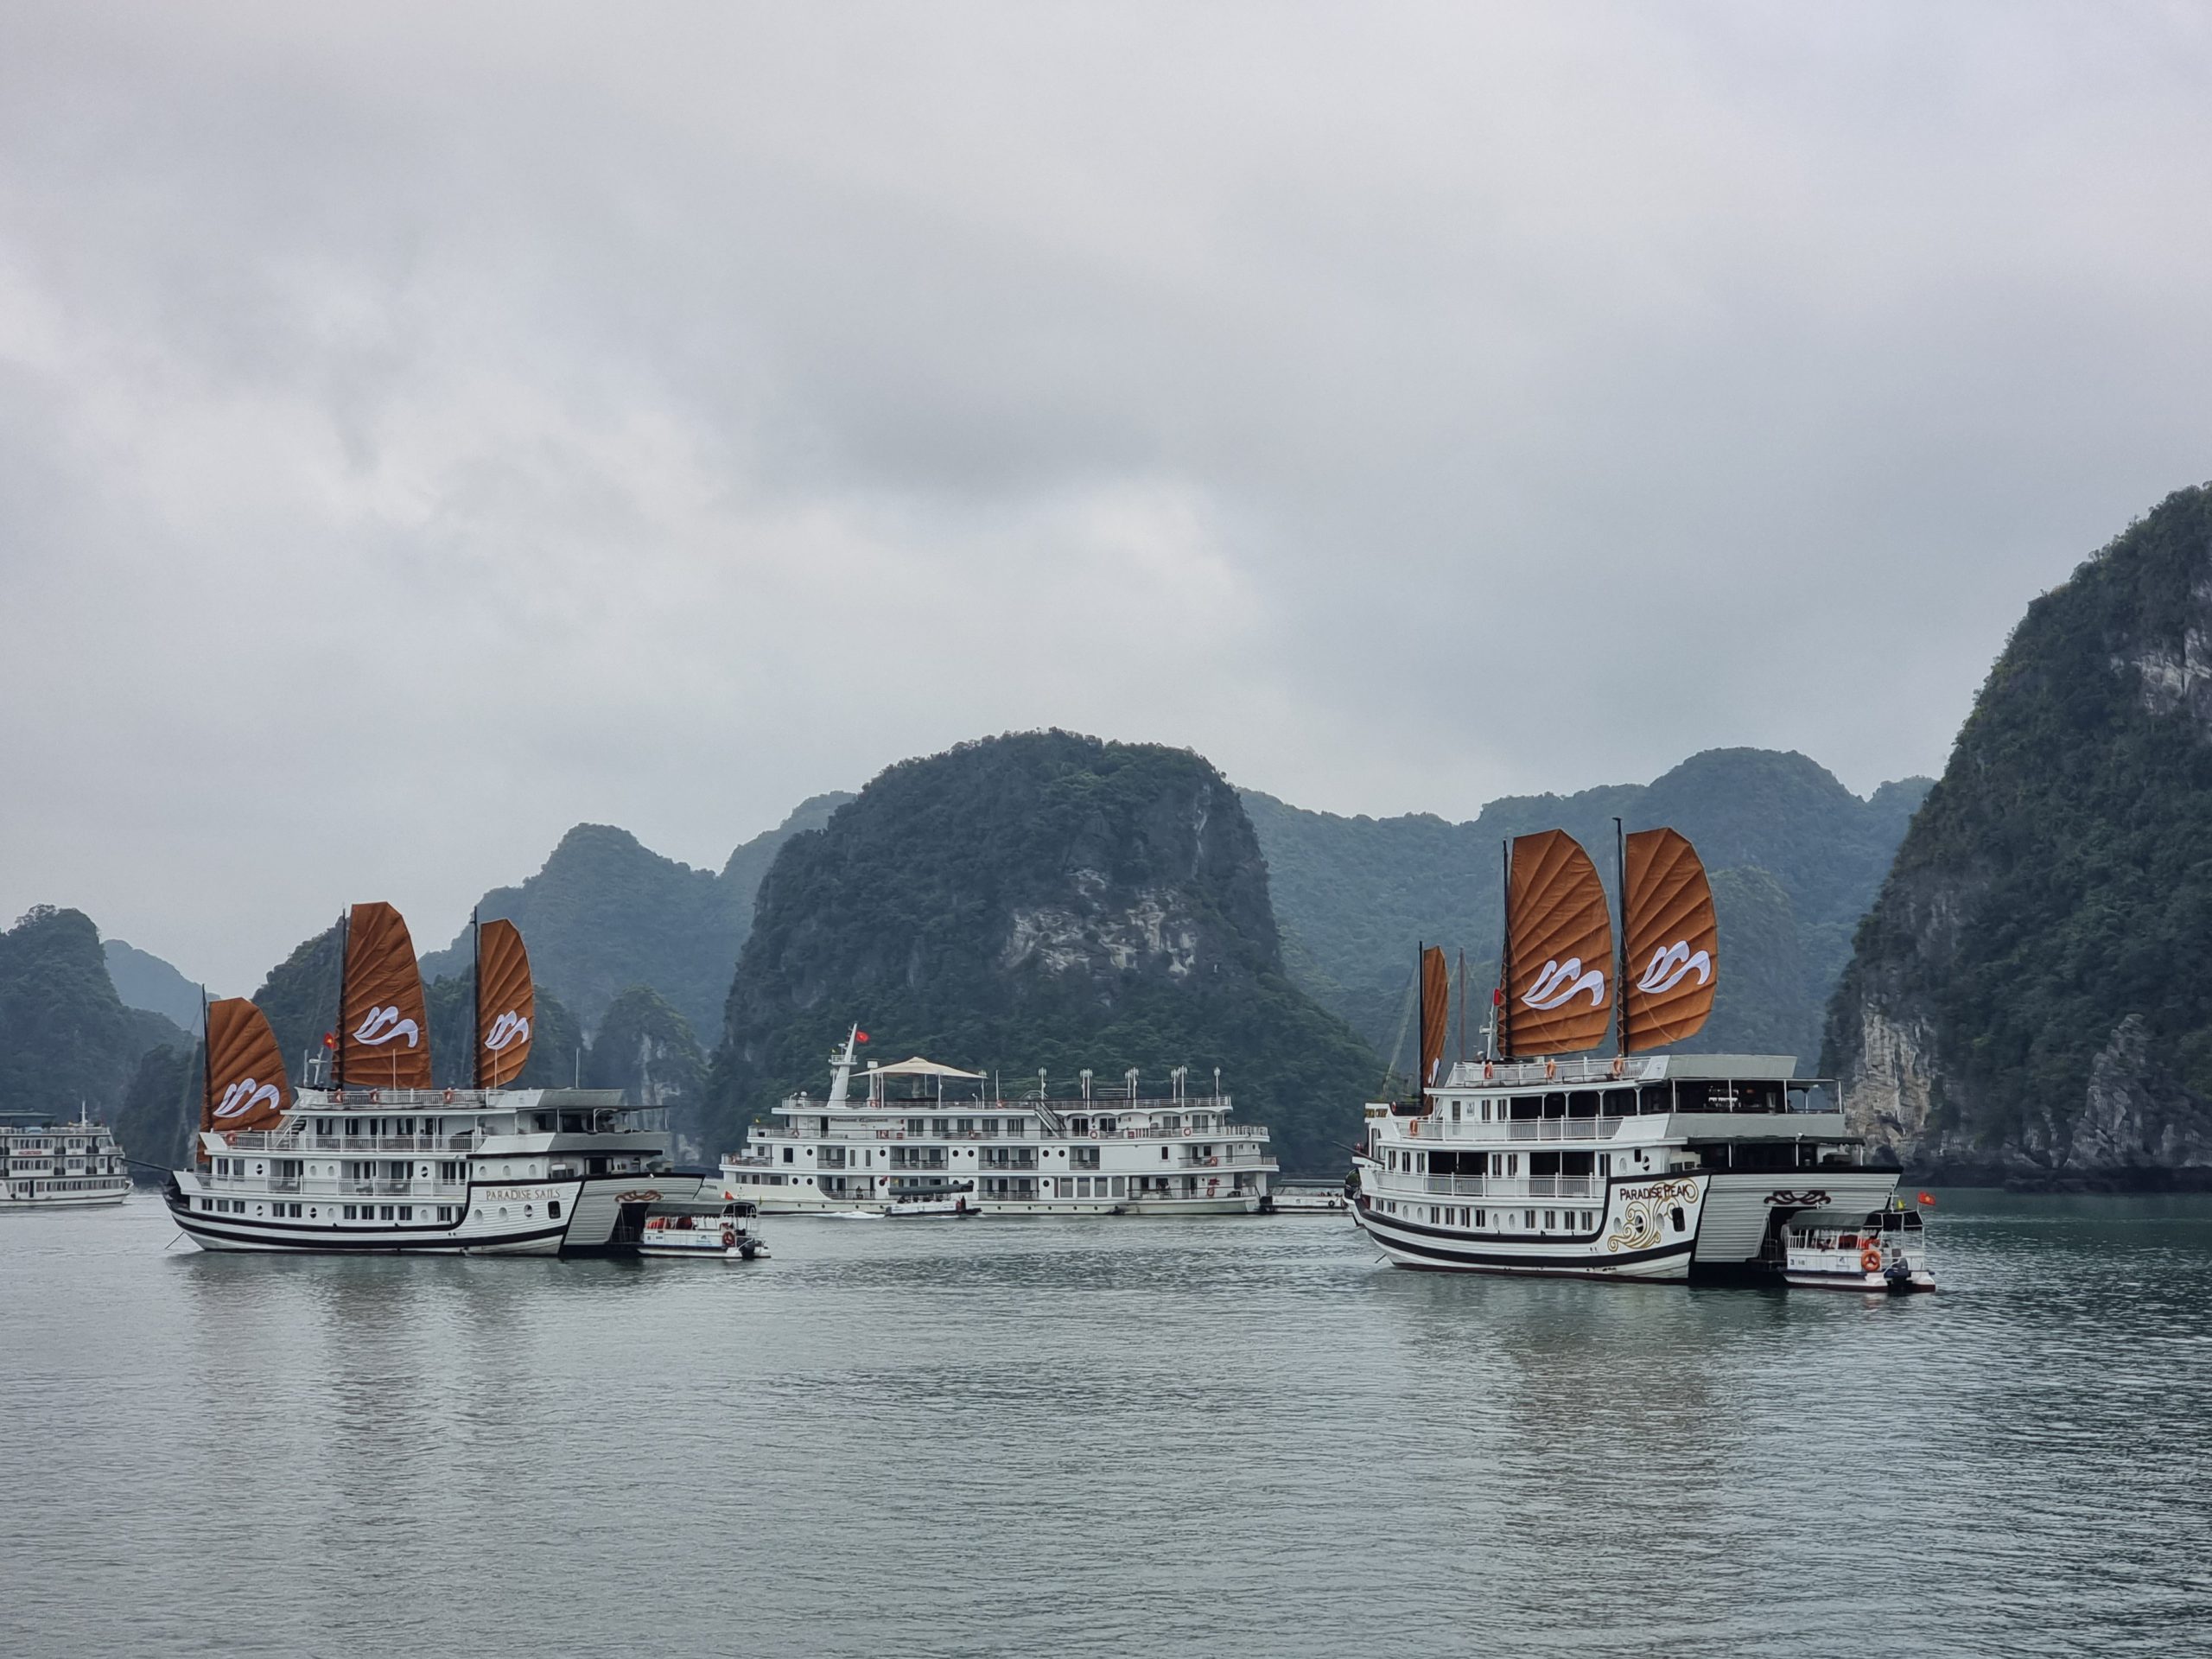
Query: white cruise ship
{"type": "Point", "coordinates": [376, 1159]}
{"type": "Point", "coordinates": [44, 1164]}
{"type": "Point", "coordinates": [950, 1137]}
{"type": "Point", "coordinates": [1538, 1159]}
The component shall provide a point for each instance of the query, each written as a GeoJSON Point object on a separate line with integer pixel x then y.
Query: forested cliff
{"type": "Point", "coordinates": [1796, 859]}
{"type": "Point", "coordinates": [1040, 901]}
{"type": "Point", "coordinates": [2031, 995]}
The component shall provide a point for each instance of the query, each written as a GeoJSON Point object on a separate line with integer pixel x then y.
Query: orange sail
{"type": "Point", "coordinates": [383, 1031]}
{"type": "Point", "coordinates": [245, 1087]}
{"type": "Point", "coordinates": [1673, 941]}
{"type": "Point", "coordinates": [1559, 949]}
{"type": "Point", "coordinates": [1435, 1012]}
{"type": "Point", "coordinates": [506, 1004]}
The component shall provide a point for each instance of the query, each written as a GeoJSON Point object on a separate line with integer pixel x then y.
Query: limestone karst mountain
{"type": "Point", "coordinates": [1040, 901]}
{"type": "Point", "coordinates": [1796, 859]}
{"type": "Point", "coordinates": [2031, 995]}
{"type": "Point", "coordinates": [605, 913]}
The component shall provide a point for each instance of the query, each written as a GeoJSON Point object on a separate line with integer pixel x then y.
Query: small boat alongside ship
{"type": "Point", "coordinates": [1885, 1251]}
{"type": "Point", "coordinates": [920, 1138]}
{"type": "Point", "coordinates": [50, 1165]}
{"type": "Point", "coordinates": [725, 1229]}
{"type": "Point", "coordinates": [1544, 1158]}
{"type": "Point", "coordinates": [375, 1158]}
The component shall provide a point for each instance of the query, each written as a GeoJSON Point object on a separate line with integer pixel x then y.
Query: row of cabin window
{"type": "Point", "coordinates": [1646, 1100]}
{"type": "Point", "coordinates": [288, 1211]}
{"type": "Point", "coordinates": [42, 1186]}
{"type": "Point", "coordinates": [1565, 1161]}
{"type": "Point", "coordinates": [1448, 1215]}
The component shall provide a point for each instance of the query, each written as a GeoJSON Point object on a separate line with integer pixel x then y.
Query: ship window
{"type": "Point", "coordinates": [553, 1209]}
{"type": "Point", "coordinates": [1163, 1152]}
{"type": "Point", "coordinates": [1675, 1216]}
{"type": "Point", "coordinates": [383, 1213]}
{"type": "Point", "coordinates": [787, 1154]}
{"type": "Point", "coordinates": [349, 1212]}
{"type": "Point", "coordinates": [1482, 1217]}
{"type": "Point", "coordinates": [915, 1126]}
{"type": "Point", "coordinates": [1528, 1220]}
{"type": "Point", "coordinates": [1551, 1219]}
{"type": "Point", "coordinates": [1121, 1189]}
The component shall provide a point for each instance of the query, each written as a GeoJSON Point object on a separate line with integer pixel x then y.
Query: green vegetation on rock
{"type": "Point", "coordinates": [605, 913]}
{"type": "Point", "coordinates": [1795, 856]}
{"type": "Point", "coordinates": [66, 1039]}
{"type": "Point", "coordinates": [2031, 995]}
{"type": "Point", "coordinates": [1042, 900]}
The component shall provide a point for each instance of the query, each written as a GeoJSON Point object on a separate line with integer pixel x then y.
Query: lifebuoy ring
{"type": "Point", "coordinates": [729, 1237]}
{"type": "Point", "coordinates": [1870, 1259]}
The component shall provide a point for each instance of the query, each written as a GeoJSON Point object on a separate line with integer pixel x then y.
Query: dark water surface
{"type": "Point", "coordinates": [1127, 1437]}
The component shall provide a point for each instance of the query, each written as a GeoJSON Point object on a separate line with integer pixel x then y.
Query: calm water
{"type": "Point", "coordinates": [1026, 1437]}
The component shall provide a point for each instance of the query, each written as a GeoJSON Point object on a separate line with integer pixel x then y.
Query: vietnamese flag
{"type": "Point", "coordinates": [330, 1039]}
{"type": "Point", "coordinates": [859, 1036]}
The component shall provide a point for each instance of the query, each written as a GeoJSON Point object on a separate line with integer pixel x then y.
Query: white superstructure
{"type": "Point", "coordinates": [1650, 1167]}
{"type": "Point", "coordinates": [57, 1166]}
{"type": "Point", "coordinates": [1092, 1153]}
{"type": "Point", "coordinates": [533, 1171]}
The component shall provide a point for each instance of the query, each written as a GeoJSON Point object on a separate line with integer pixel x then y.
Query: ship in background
{"type": "Point", "coordinates": [952, 1144]}
{"type": "Point", "coordinates": [1547, 1156]}
{"type": "Point", "coordinates": [47, 1164]}
{"type": "Point", "coordinates": [375, 1158]}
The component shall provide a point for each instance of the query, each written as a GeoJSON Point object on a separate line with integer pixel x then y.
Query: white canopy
{"type": "Point", "coordinates": [918, 1067]}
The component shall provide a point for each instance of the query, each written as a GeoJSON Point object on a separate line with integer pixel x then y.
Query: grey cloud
{"type": "Point", "coordinates": [706, 406]}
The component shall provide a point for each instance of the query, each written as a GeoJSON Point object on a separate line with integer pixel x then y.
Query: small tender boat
{"type": "Point", "coordinates": [947, 1201]}
{"type": "Point", "coordinates": [1308, 1198]}
{"type": "Point", "coordinates": [1886, 1251]}
{"type": "Point", "coordinates": [728, 1231]}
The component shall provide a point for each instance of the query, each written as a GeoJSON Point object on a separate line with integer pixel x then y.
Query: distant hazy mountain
{"type": "Point", "coordinates": [607, 914]}
{"type": "Point", "coordinates": [1040, 901]}
{"type": "Point", "coordinates": [144, 980]}
{"type": "Point", "coordinates": [1796, 859]}
{"type": "Point", "coordinates": [2031, 997]}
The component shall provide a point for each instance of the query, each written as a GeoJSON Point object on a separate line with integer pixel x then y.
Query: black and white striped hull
{"type": "Point", "coordinates": [1646, 1230]}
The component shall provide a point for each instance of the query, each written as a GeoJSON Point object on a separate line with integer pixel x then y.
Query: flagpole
{"type": "Point", "coordinates": [1620, 971]}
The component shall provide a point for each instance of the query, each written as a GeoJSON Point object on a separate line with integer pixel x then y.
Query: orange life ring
{"type": "Point", "coordinates": [1870, 1259]}
{"type": "Point", "coordinates": [729, 1237]}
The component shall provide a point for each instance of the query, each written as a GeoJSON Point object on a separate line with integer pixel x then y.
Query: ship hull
{"type": "Point", "coordinates": [1647, 1230]}
{"type": "Point", "coordinates": [601, 1216]}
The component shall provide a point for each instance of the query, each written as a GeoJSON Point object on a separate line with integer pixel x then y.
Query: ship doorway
{"type": "Point", "coordinates": [629, 1223]}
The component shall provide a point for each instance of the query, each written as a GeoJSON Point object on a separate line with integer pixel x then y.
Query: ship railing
{"type": "Point", "coordinates": [295, 1140]}
{"type": "Point", "coordinates": [1497, 1187]}
{"type": "Point", "coordinates": [1528, 1129]}
{"type": "Point", "coordinates": [375, 1189]}
{"type": "Point", "coordinates": [1588, 1068]}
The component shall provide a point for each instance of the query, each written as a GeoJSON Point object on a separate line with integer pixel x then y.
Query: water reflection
{"type": "Point", "coordinates": [1141, 1437]}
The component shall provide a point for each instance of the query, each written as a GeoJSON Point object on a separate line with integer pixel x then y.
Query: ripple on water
{"type": "Point", "coordinates": [1122, 1437]}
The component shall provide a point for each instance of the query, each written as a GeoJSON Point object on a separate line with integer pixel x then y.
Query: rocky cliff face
{"type": "Point", "coordinates": [1040, 901]}
{"type": "Point", "coordinates": [2030, 997]}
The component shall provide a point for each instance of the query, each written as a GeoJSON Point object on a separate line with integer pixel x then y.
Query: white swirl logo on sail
{"type": "Point", "coordinates": [247, 1095]}
{"type": "Point", "coordinates": [383, 1024]}
{"type": "Point", "coordinates": [507, 1030]}
{"type": "Point", "coordinates": [1561, 983]}
{"type": "Point", "coordinates": [1670, 967]}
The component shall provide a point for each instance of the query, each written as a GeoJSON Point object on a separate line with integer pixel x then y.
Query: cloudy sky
{"type": "Point", "coordinates": [422, 430]}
